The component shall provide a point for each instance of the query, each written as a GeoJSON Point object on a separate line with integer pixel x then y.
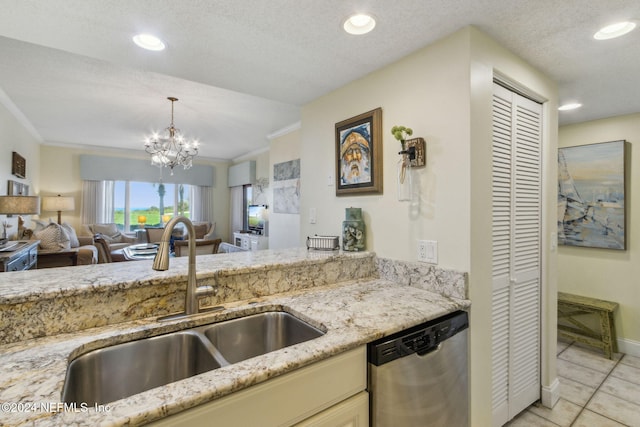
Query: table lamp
{"type": "Point", "coordinates": [17, 205]}
{"type": "Point", "coordinates": [142, 220]}
{"type": "Point", "coordinates": [58, 203]}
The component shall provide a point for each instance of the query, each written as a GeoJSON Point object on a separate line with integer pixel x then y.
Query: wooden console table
{"type": "Point", "coordinates": [570, 305]}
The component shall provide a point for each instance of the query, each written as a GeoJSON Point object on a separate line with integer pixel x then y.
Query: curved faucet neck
{"type": "Point", "coordinates": [161, 260]}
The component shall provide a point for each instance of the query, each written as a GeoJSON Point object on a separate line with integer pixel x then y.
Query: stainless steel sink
{"type": "Point", "coordinates": [104, 375]}
{"type": "Point", "coordinates": [122, 370]}
{"type": "Point", "coordinates": [251, 336]}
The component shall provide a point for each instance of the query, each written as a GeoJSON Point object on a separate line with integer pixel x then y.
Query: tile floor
{"type": "Point", "coordinates": [594, 392]}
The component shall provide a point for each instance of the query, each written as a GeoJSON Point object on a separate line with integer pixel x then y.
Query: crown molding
{"type": "Point", "coordinates": [19, 116]}
{"type": "Point", "coordinates": [285, 130]}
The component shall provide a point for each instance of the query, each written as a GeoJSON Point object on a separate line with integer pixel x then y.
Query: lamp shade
{"type": "Point", "coordinates": [58, 203]}
{"type": "Point", "coordinates": [19, 205]}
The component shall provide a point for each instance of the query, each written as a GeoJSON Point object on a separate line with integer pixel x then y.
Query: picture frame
{"type": "Point", "coordinates": [359, 154]}
{"type": "Point", "coordinates": [18, 165]}
{"type": "Point", "coordinates": [592, 195]}
{"type": "Point", "coordinates": [15, 188]}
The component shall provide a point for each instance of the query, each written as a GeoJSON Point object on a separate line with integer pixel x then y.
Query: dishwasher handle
{"type": "Point", "coordinates": [429, 350]}
{"type": "Point", "coordinates": [421, 343]}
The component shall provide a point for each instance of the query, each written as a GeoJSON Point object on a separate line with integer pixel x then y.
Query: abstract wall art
{"type": "Point", "coordinates": [591, 195]}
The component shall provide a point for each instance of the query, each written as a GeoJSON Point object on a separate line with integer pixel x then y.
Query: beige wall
{"type": "Point", "coordinates": [444, 93]}
{"type": "Point", "coordinates": [601, 273]}
{"type": "Point", "coordinates": [60, 174]}
{"type": "Point", "coordinates": [14, 137]}
{"type": "Point", "coordinates": [284, 229]}
{"type": "Point", "coordinates": [429, 92]}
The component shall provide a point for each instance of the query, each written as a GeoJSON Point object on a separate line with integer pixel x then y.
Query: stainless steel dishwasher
{"type": "Point", "coordinates": [419, 377]}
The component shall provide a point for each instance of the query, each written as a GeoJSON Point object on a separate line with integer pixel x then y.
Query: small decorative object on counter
{"type": "Point", "coordinates": [323, 243]}
{"type": "Point", "coordinates": [353, 231]}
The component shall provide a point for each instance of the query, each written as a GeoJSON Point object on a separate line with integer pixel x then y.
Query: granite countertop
{"type": "Point", "coordinates": [352, 314]}
{"type": "Point", "coordinates": [35, 285]}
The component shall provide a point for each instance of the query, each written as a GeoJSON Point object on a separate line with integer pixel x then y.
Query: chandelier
{"type": "Point", "coordinates": [171, 149]}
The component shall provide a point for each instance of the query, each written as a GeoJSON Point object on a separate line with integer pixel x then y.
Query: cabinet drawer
{"type": "Point", "coordinates": [33, 256]}
{"type": "Point", "coordinates": [20, 263]}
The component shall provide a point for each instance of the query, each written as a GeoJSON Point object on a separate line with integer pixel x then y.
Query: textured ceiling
{"type": "Point", "coordinates": [243, 68]}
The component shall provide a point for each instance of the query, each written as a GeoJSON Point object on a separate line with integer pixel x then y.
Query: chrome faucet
{"type": "Point", "coordinates": [161, 263]}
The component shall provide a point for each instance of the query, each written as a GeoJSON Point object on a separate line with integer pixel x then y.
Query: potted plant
{"type": "Point", "coordinates": [401, 133]}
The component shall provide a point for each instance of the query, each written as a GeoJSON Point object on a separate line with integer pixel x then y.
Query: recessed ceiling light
{"type": "Point", "coordinates": [567, 107]}
{"type": "Point", "coordinates": [149, 42]}
{"type": "Point", "coordinates": [359, 24]}
{"type": "Point", "coordinates": [614, 30]}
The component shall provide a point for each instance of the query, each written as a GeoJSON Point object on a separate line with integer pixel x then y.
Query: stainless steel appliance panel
{"type": "Point", "coordinates": [422, 390]}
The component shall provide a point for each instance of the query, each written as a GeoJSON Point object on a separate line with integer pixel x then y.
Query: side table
{"type": "Point", "coordinates": [21, 255]}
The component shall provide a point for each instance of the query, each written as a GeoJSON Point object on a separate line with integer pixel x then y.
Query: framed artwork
{"type": "Point", "coordinates": [18, 165]}
{"type": "Point", "coordinates": [15, 188]}
{"type": "Point", "coordinates": [359, 154]}
{"type": "Point", "coordinates": [591, 195]}
{"type": "Point", "coordinates": [286, 187]}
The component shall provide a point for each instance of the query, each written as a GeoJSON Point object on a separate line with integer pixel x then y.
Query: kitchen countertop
{"type": "Point", "coordinates": [352, 315]}
{"type": "Point", "coordinates": [51, 302]}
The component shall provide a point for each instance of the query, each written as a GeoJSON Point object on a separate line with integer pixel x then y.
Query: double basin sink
{"type": "Point", "coordinates": [108, 374]}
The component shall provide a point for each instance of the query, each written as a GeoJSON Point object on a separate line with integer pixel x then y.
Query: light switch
{"type": "Point", "coordinates": [312, 215]}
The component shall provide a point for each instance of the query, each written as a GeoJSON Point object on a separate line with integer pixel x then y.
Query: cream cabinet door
{"type": "Point", "coordinates": [284, 400]}
{"type": "Point", "coordinates": [353, 412]}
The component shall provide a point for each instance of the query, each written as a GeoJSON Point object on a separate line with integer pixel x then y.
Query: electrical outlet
{"type": "Point", "coordinates": [428, 251]}
{"type": "Point", "coordinates": [422, 250]}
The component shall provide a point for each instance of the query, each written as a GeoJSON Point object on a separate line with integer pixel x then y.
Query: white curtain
{"type": "Point", "coordinates": [202, 203]}
{"type": "Point", "coordinates": [97, 202]}
{"type": "Point", "coordinates": [237, 208]}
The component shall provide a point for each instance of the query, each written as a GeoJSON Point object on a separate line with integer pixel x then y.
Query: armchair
{"type": "Point", "coordinates": [205, 230]}
{"type": "Point", "coordinates": [112, 236]}
{"type": "Point", "coordinates": [154, 235]}
{"type": "Point", "coordinates": [203, 247]}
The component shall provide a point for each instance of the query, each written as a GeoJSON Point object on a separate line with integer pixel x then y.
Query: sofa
{"type": "Point", "coordinates": [85, 254]}
{"type": "Point", "coordinates": [60, 246]}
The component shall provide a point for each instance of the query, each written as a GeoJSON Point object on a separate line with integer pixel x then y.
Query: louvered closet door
{"type": "Point", "coordinates": [516, 203]}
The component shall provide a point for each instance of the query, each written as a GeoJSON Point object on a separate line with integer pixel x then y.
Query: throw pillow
{"type": "Point", "coordinates": [109, 232]}
{"type": "Point", "coordinates": [73, 237]}
{"type": "Point", "coordinates": [40, 225]}
{"type": "Point", "coordinates": [53, 237]}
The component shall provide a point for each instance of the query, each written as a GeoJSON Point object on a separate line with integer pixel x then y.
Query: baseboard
{"type": "Point", "coordinates": [630, 347]}
{"type": "Point", "coordinates": [551, 394]}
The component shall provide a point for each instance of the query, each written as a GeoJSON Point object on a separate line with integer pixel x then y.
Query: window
{"type": "Point", "coordinates": [150, 204]}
